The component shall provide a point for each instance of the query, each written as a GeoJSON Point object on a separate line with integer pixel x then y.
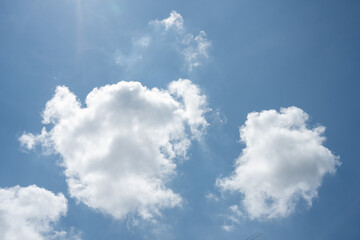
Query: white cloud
{"type": "Point", "coordinates": [228, 228]}
{"type": "Point", "coordinates": [283, 161]}
{"type": "Point", "coordinates": [143, 41]}
{"type": "Point", "coordinates": [28, 213]}
{"type": "Point", "coordinates": [175, 20]}
{"type": "Point", "coordinates": [194, 48]}
{"type": "Point", "coordinates": [211, 197]}
{"type": "Point", "coordinates": [233, 217]}
{"type": "Point", "coordinates": [120, 150]}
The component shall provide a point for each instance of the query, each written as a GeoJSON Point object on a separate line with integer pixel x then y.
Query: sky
{"type": "Point", "coordinates": [179, 119]}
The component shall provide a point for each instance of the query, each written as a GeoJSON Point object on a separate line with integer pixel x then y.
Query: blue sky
{"type": "Point", "coordinates": [240, 57]}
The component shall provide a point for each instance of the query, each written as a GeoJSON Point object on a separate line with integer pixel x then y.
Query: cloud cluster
{"type": "Point", "coordinates": [120, 150]}
{"type": "Point", "coordinates": [28, 213]}
{"type": "Point", "coordinates": [283, 161]}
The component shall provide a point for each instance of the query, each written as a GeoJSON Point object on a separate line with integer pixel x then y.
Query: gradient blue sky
{"type": "Point", "coordinates": [263, 55]}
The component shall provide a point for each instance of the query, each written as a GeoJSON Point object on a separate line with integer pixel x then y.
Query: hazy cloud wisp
{"type": "Point", "coordinates": [193, 49]}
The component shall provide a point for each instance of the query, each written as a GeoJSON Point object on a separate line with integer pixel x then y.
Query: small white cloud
{"type": "Point", "coordinates": [143, 41]}
{"type": "Point", "coordinates": [233, 217]}
{"type": "Point", "coordinates": [195, 49]}
{"type": "Point", "coordinates": [120, 150]}
{"type": "Point", "coordinates": [28, 213]}
{"type": "Point", "coordinates": [228, 228]}
{"type": "Point", "coordinates": [283, 161]}
{"type": "Point", "coordinates": [30, 141]}
{"type": "Point", "coordinates": [236, 211]}
{"type": "Point", "coordinates": [175, 20]}
{"type": "Point", "coordinates": [72, 234]}
{"type": "Point", "coordinates": [211, 197]}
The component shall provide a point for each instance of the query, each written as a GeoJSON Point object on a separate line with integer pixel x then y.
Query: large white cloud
{"type": "Point", "coordinates": [28, 213]}
{"type": "Point", "coordinates": [120, 150]}
{"type": "Point", "coordinates": [282, 162]}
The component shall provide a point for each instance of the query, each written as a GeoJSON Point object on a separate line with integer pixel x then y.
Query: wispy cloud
{"type": "Point", "coordinates": [194, 48]}
{"type": "Point", "coordinates": [233, 217]}
{"type": "Point", "coordinates": [130, 60]}
{"type": "Point", "coordinates": [169, 32]}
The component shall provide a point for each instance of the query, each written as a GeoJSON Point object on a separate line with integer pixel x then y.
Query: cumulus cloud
{"type": "Point", "coordinates": [283, 161]}
{"type": "Point", "coordinates": [120, 150]}
{"type": "Point", "coordinates": [28, 213]}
